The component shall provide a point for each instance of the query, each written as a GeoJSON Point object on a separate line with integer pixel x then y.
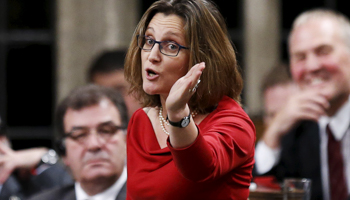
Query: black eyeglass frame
{"type": "Point", "coordinates": [69, 134]}
{"type": "Point", "coordinates": [160, 45]}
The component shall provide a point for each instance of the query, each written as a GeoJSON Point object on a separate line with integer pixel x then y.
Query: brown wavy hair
{"type": "Point", "coordinates": [208, 41]}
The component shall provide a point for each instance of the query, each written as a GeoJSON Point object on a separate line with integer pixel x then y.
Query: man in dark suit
{"type": "Point", "coordinates": [91, 123]}
{"type": "Point", "coordinates": [297, 142]}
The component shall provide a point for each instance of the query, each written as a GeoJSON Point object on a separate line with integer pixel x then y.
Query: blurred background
{"type": "Point", "coordinates": [46, 47]}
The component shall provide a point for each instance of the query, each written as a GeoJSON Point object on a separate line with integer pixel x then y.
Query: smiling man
{"type": "Point", "coordinates": [310, 137]}
{"type": "Point", "coordinates": [91, 123]}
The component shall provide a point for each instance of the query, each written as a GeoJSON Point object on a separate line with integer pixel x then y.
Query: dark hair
{"type": "Point", "coordinates": [83, 97]}
{"type": "Point", "coordinates": [208, 41]}
{"type": "Point", "coordinates": [106, 62]}
{"type": "Point", "coordinates": [278, 75]}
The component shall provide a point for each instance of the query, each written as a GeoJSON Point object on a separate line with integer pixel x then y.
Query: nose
{"type": "Point", "coordinates": [312, 63]}
{"type": "Point", "coordinates": [154, 54]}
{"type": "Point", "coordinates": [93, 142]}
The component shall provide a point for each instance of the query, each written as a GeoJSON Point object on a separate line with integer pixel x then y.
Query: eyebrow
{"type": "Point", "coordinates": [101, 124]}
{"type": "Point", "coordinates": [169, 33]}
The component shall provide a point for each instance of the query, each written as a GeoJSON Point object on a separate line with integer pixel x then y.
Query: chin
{"type": "Point", "coordinates": [98, 174]}
{"type": "Point", "coordinates": [150, 90]}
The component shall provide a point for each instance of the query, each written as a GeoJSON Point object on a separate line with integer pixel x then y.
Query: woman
{"type": "Point", "coordinates": [192, 139]}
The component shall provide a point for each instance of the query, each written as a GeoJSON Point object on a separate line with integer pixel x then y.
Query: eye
{"type": "Point", "coordinates": [149, 41]}
{"type": "Point", "coordinates": [107, 129]}
{"type": "Point", "coordinates": [324, 50]}
{"type": "Point", "coordinates": [298, 57]}
{"type": "Point", "coordinates": [79, 134]}
{"type": "Point", "coordinates": [171, 46]}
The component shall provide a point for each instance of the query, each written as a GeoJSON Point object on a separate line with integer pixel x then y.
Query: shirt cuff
{"type": "Point", "coordinates": [265, 157]}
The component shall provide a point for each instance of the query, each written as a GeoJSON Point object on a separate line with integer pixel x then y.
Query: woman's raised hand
{"type": "Point", "coordinates": [182, 90]}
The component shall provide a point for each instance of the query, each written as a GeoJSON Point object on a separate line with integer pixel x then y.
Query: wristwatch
{"type": "Point", "coordinates": [49, 158]}
{"type": "Point", "coordinates": [182, 123]}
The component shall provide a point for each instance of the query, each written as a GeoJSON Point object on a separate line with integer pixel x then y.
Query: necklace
{"type": "Point", "coordinates": [162, 121]}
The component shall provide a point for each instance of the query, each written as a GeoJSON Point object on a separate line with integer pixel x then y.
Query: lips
{"type": "Point", "coordinates": [96, 161]}
{"type": "Point", "coordinates": [151, 74]}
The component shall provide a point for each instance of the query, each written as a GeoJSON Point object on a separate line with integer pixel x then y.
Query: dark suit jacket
{"type": "Point", "coordinates": [11, 188]}
{"type": "Point", "coordinates": [68, 193]}
{"type": "Point", "coordinates": [300, 157]}
{"type": "Point", "coordinates": [50, 178]}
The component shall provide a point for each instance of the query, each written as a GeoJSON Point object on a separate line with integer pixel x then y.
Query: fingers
{"type": "Point", "coordinates": [304, 106]}
{"type": "Point", "coordinates": [199, 66]}
{"type": "Point", "coordinates": [194, 75]}
{"type": "Point", "coordinates": [313, 108]}
{"type": "Point", "coordinates": [314, 103]}
{"type": "Point", "coordinates": [4, 174]}
{"type": "Point", "coordinates": [184, 88]}
{"type": "Point", "coordinates": [4, 149]}
{"type": "Point", "coordinates": [301, 106]}
{"type": "Point", "coordinates": [6, 167]}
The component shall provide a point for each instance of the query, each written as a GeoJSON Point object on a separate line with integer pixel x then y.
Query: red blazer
{"type": "Point", "coordinates": [217, 165]}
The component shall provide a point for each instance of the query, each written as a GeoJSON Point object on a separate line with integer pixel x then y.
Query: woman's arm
{"type": "Point", "coordinates": [177, 108]}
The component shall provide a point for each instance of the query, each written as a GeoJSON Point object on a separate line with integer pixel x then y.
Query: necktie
{"type": "Point", "coordinates": [338, 189]}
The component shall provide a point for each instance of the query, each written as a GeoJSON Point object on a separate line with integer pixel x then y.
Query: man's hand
{"type": "Point", "coordinates": [11, 160]}
{"type": "Point", "coordinates": [302, 105]}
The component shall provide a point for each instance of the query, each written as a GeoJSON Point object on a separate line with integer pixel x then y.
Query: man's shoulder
{"type": "Point", "coordinates": [60, 193]}
{"type": "Point", "coordinates": [303, 128]}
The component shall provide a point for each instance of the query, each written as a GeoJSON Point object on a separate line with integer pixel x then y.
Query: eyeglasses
{"type": "Point", "coordinates": [104, 132]}
{"type": "Point", "coordinates": [168, 48]}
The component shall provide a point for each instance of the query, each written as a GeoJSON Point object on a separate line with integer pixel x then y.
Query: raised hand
{"type": "Point", "coordinates": [7, 162]}
{"type": "Point", "coordinates": [181, 93]}
{"type": "Point", "coordinates": [11, 160]}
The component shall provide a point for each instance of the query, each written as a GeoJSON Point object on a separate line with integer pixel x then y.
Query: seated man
{"type": "Point", "coordinates": [91, 123]}
{"type": "Point", "coordinates": [28, 171]}
{"type": "Point", "coordinates": [310, 136]}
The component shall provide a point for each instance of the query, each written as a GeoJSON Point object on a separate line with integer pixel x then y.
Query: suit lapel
{"type": "Point", "coordinates": [309, 149]}
{"type": "Point", "coordinates": [122, 194]}
{"type": "Point", "coordinates": [70, 195]}
{"type": "Point", "coordinates": [309, 154]}
{"type": "Point", "coordinates": [10, 187]}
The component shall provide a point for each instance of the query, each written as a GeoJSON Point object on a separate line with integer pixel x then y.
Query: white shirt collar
{"type": "Point", "coordinates": [109, 194]}
{"type": "Point", "coordinates": [338, 123]}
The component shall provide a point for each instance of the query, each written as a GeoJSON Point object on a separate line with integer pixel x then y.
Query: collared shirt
{"type": "Point", "coordinates": [109, 194]}
{"type": "Point", "coordinates": [339, 125]}
{"type": "Point", "coordinates": [266, 158]}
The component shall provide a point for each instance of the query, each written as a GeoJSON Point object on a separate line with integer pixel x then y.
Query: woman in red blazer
{"type": "Point", "coordinates": [192, 139]}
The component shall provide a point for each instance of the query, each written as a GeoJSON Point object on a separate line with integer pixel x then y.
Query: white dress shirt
{"type": "Point", "coordinates": [109, 194]}
{"type": "Point", "coordinates": [266, 158]}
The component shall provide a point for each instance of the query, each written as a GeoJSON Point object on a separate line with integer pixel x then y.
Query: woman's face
{"type": "Point", "coordinates": [159, 71]}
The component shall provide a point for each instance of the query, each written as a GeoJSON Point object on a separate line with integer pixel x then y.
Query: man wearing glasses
{"type": "Point", "coordinates": [91, 124]}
